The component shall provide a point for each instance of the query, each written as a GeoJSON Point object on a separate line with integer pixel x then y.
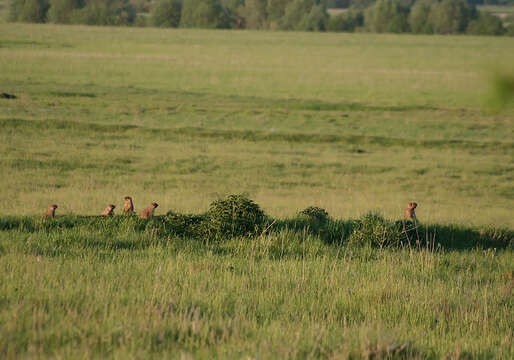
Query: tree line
{"type": "Point", "coordinates": [380, 16]}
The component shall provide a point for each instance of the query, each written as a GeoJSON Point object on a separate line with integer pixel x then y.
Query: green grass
{"type": "Point", "coordinates": [125, 287]}
{"type": "Point", "coordinates": [349, 122]}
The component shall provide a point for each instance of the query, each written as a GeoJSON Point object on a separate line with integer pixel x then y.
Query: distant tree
{"type": "Point", "coordinates": [315, 20]}
{"type": "Point", "coordinates": [254, 14]}
{"type": "Point", "coordinates": [509, 31]}
{"type": "Point", "coordinates": [105, 12]}
{"type": "Point", "coordinates": [338, 4]}
{"type": "Point", "coordinates": [276, 10]}
{"type": "Point", "coordinates": [509, 27]}
{"type": "Point", "coordinates": [232, 4]}
{"type": "Point", "coordinates": [386, 16]}
{"type": "Point", "coordinates": [347, 21]}
{"type": "Point", "coordinates": [166, 13]}
{"type": "Point", "coordinates": [34, 11]}
{"type": "Point", "coordinates": [361, 4]}
{"type": "Point", "coordinates": [450, 16]}
{"type": "Point", "coordinates": [304, 15]}
{"type": "Point", "coordinates": [294, 14]}
{"type": "Point", "coordinates": [418, 17]}
{"type": "Point", "coordinates": [60, 11]}
{"type": "Point", "coordinates": [486, 24]}
{"type": "Point", "coordinates": [15, 10]}
{"type": "Point", "coordinates": [407, 3]}
{"type": "Point", "coordinates": [334, 4]}
{"type": "Point", "coordinates": [142, 6]}
{"type": "Point", "coordinates": [205, 14]}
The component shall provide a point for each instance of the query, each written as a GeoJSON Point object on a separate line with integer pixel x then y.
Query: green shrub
{"type": "Point", "coordinates": [374, 230]}
{"type": "Point", "coordinates": [167, 13]}
{"type": "Point", "coordinates": [234, 216]}
{"type": "Point", "coordinates": [185, 224]}
{"type": "Point", "coordinates": [315, 213]}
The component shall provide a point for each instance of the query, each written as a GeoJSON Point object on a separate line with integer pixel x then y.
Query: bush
{"type": "Point", "coordinates": [186, 225]}
{"type": "Point", "coordinates": [167, 13]}
{"type": "Point", "coordinates": [386, 16]}
{"type": "Point", "coordinates": [486, 24]}
{"type": "Point", "coordinates": [33, 11]}
{"type": "Point", "coordinates": [234, 216]}
{"type": "Point", "coordinates": [315, 213]}
{"type": "Point", "coordinates": [374, 230]}
{"type": "Point", "coordinates": [347, 21]}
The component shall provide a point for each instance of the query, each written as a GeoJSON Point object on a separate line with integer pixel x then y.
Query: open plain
{"type": "Point", "coordinates": [351, 123]}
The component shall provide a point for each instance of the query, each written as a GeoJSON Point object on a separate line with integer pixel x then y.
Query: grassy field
{"type": "Point", "coordinates": [117, 288]}
{"type": "Point", "coordinates": [348, 122]}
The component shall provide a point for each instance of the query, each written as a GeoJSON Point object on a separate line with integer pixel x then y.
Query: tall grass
{"type": "Point", "coordinates": [125, 287]}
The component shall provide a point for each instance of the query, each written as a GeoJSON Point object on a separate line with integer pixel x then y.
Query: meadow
{"type": "Point", "coordinates": [351, 123]}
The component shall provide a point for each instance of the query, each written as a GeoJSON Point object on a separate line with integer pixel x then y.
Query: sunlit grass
{"type": "Point", "coordinates": [384, 120]}
{"type": "Point", "coordinates": [351, 123]}
{"type": "Point", "coordinates": [115, 291]}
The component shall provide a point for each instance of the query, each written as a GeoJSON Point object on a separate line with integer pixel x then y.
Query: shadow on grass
{"type": "Point", "coordinates": [132, 233]}
{"type": "Point", "coordinates": [246, 135]}
{"type": "Point", "coordinates": [450, 237]}
{"type": "Point", "coordinates": [265, 103]}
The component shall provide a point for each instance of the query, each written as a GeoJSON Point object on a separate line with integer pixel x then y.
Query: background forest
{"type": "Point", "coordinates": [492, 17]}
